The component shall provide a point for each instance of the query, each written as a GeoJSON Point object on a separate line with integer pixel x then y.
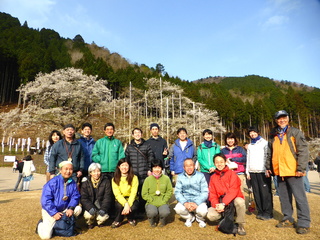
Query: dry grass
{"type": "Point", "coordinates": [20, 212]}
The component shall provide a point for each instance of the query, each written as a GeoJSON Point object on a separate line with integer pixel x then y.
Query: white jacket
{"type": "Point", "coordinates": [256, 156]}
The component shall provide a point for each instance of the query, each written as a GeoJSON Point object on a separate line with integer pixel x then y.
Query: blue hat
{"type": "Point", "coordinates": [154, 125]}
{"type": "Point", "coordinates": [280, 114]}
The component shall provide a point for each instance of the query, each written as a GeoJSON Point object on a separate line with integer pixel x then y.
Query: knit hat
{"type": "Point", "coordinates": [64, 163]}
{"type": "Point", "coordinates": [253, 128]}
{"type": "Point", "coordinates": [280, 114]}
{"type": "Point", "coordinates": [154, 125]}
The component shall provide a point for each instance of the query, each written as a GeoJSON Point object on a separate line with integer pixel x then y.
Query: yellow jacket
{"type": "Point", "coordinates": [125, 192]}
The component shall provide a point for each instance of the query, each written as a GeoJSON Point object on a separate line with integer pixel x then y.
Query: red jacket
{"type": "Point", "coordinates": [225, 182]}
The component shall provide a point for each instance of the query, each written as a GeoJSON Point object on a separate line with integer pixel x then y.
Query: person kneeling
{"type": "Point", "coordinates": [191, 193]}
{"type": "Point", "coordinates": [225, 189]}
{"type": "Point", "coordinates": [157, 191]}
{"type": "Point", "coordinates": [95, 196]}
{"type": "Point", "coordinates": [59, 200]}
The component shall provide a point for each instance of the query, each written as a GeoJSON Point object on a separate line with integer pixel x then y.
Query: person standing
{"type": "Point", "coordinates": [257, 154]}
{"type": "Point", "coordinates": [68, 149]}
{"type": "Point", "coordinates": [20, 168]}
{"type": "Point", "coordinates": [158, 145]}
{"type": "Point", "coordinates": [206, 151]}
{"type": "Point", "coordinates": [237, 154]}
{"type": "Point", "coordinates": [317, 162]}
{"type": "Point", "coordinates": [27, 172]}
{"type": "Point", "coordinates": [108, 151]}
{"type": "Point", "coordinates": [182, 149]}
{"type": "Point", "coordinates": [87, 143]}
{"type": "Point", "coordinates": [290, 156]}
{"type": "Point", "coordinates": [191, 192]}
{"type": "Point", "coordinates": [54, 137]}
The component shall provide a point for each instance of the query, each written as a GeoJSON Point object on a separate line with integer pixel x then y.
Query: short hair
{"type": "Point", "coordinates": [182, 129]}
{"type": "Point", "coordinates": [51, 134]}
{"type": "Point", "coordinates": [139, 129]}
{"type": "Point", "coordinates": [187, 160]}
{"type": "Point", "coordinates": [220, 155]}
{"type": "Point", "coordinates": [207, 131]}
{"type": "Point", "coordinates": [156, 163]}
{"type": "Point", "coordinates": [231, 135]}
{"type": "Point", "coordinates": [108, 125]}
{"type": "Point", "coordinates": [86, 125]}
{"type": "Point", "coordinates": [93, 166]}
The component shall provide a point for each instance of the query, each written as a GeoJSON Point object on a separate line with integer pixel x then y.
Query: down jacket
{"type": "Point", "coordinates": [140, 159]}
{"type": "Point", "coordinates": [103, 194]}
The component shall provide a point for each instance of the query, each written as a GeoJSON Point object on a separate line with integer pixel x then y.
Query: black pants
{"type": "Point", "coordinates": [118, 209]}
{"type": "Point", "coordinates": [262, 192]}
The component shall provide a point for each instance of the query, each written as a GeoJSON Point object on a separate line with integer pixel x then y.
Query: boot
{"type": "Point", "coordinates": [162, 222]}
{"type": "Point", "coordinates": [152, 222]}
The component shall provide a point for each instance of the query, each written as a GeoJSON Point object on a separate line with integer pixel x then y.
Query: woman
{"type": "Point", "coordinates": [125, 188]}
{"type": "Point", "coordinates": [54, 137]}
{"type": "Point", "coordinates": [235, 154]}
{"type": "Point", "coordinates": [27, 172]}
{"type": "Point", "coordinates": [258, 152]}
{"type": "Point", "coordinates": [95, 196]}
{"type": "Point", "coordinates": [224, 189]}
{"type": "Point", "coordinates": [205, 153]}
{"type": "Point", "coordinates": [157, 191]}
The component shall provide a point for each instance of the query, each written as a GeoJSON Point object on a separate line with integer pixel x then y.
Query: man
{"type": "Point", "coordinates": [87, 143]}
{"type": "Point", "coordinates": [158, 145]}
{"type": "Point", "coordinates": [191, 193]}
{"type": "Point", "coordinates": [68, 149]}
{"type": "Point", "coordinates": [60, 195]}
{"type": "Point", "coordinates": [108, 151]}
{"type": "Point", "coordinates": [317, 162]}
{"type": "Point", "coordinates": [289, 161]}
{"type": "Point", "coordinates": [140, 154]}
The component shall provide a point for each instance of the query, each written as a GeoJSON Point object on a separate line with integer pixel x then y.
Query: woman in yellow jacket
{"type": "Point", "coordinates": [125, 187]}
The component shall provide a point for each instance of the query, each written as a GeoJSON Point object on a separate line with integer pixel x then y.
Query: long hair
{"type": "Point", "coordinates": [117, 174]}
{"type": "Point", "coordinates": [51, 134]}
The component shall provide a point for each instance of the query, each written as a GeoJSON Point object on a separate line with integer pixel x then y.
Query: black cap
{"type": "Point", "coordinates": [280, 114]}
{"type": "Point", "coordinates": [254, 129]}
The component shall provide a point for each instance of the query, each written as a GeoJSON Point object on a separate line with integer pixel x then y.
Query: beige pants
{"type": "Point", "coordinates": [45, 228]}
{"type": "Point", "coordinates": [240, 206]}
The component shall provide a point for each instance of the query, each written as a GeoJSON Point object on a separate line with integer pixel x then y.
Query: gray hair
{"type": "Point", "coordinates": [94, 166]}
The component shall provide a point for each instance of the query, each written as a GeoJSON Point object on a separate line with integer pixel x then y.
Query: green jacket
{"type": "Point", "coordinates": [108, 152]}
{"type": "Point", "coordinates": [151, 185]}
{"type": "Point", "coordinates": [205, 156]}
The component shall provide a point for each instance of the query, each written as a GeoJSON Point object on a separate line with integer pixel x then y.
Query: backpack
{"type": "Point", "coordinates": [64, 226]}
{"type": "Point", "coordinates": [227, 225]}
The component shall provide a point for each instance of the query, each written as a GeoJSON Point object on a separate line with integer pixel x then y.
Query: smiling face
{"type": "Point", "coordinates": [253, 134]}
{"type": "Point", "coordinates": [137, 135]}
{"type": "Point", "coordinates": [124, 168]}
{"type": "Point", "coordinates": [109, 131]}
{"type": "Point", "coordinates": [157, 170]}
{"type": "Point", "coordinates": [95, 174]}
{"type": "Point", "coordinates": [188, 166]}
{"type": "Point", "coordinates": [86, 132]}
{"type": "Point", "coordinates": [55, 137]}
{"type": "Point", "coordinates": [282, 121]}
{"type": "Point", "coordinates": [182, 135]}
{"type": "Point", "coordinates": [66, 171]}
{"type": "Point", "coordinates": [230, 142]}
{"type": "Point", "coordinates": [220, 163]}
{"type": "Point", "coordinates": [69, 132]}
{"type": "Point", "coordinates": [208, 136]}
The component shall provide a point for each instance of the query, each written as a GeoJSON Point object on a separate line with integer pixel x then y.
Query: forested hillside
{"type": "Point", "coordinates": [239, 101]}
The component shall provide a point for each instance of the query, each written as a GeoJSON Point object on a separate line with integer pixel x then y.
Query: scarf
{"type": "Point", "coordinates": [156, 175]}
{"type": "Point", "coordinates": [208, 144]}
{"type": "Point", "coordinates": [254, 140]}
{"type": "Point", "coordinates": [281, 133]}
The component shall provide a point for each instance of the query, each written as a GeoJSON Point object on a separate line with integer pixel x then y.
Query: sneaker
{"type": "Point", "coordinates": [285, 224]}
{"type": "Point", "coordinates": [202, 224]}
{"type": "Point", "coordinates": [189, 222]}
{"type": "Point", "coordinates": [241, 230]}
{"type": "Point", "coordinates": [133, 223]}
{"type": "Point", "coordinates": [302, 230]}
{"type": "Point", "coordinates": [115, 224]}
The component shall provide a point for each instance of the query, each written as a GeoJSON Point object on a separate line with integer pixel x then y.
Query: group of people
{"type": "Point", "coordinates": [123, 182]}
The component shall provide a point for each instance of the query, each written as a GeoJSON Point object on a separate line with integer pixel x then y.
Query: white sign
{"type": "Point", "coordinates": [9, 158]}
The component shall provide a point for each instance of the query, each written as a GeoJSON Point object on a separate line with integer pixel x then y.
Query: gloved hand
{"type": "Point", "coordinates": [101, 212]}
{"type": "Point", "coordinates": [92, 211]}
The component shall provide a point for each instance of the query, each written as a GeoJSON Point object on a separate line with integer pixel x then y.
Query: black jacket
{"type": "Point", "coordinates": [103, 194]}
{"type": "Point", "coordinates": [140, 159]}
{"type": "Point", "coordinates": [158, 145]}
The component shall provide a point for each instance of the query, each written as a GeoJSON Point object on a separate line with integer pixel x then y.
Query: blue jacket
{"type": "Point", "coordinates": [53, 192]}
{"type": "Point", "coordinates": [177, 156]}
{"type": "Point", "coordinates": [192, 188]}
{"type": "Point", "coordinates": [87, 147]}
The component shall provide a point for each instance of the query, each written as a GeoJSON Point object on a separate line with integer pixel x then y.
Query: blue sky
{"type": "Point", "coordinates": [279, 39]}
